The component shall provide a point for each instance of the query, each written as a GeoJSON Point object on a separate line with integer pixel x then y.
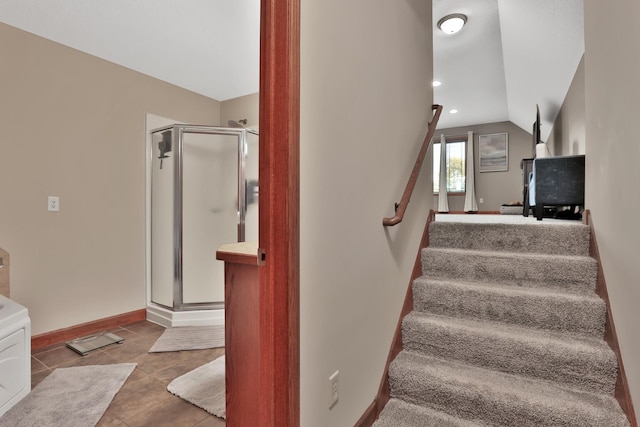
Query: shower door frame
{"type": "Point", "coordinates": [177, 136]}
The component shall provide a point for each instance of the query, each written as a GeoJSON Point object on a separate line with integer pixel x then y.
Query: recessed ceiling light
{"type": "Point", "coordinates": [453, 23]}
{"type": "Point", "coordinates": [454, 111]}
{"type": "Point", "coordinates": [436, 83]}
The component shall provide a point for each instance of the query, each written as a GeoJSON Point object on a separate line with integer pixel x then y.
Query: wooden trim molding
{"type": "Point", "coordinates": [279, 207]}
{"type": "Point", "coordinates": [384, 392]}
{"type": "Point", "coordinates": [61, 335]}
{"type": "Point", "coordinates": [622, 394]}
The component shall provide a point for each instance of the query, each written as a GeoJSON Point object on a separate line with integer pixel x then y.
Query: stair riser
{"type": "Point", "coordinates": [528, 238]}
{"type": "Point", "coordinates": [581, 367]}
{"type": "Point", "coordinates": [576, 275]}
{"type": "Point", "coordinates": [398, 413]}
{"type": "Point", "coordinates": [562, 313]}
{"type": "Point", "coordinates": [463, 400]}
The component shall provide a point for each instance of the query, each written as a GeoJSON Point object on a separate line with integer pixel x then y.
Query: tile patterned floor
{"type": "Point", "coordinates": [143, 400]}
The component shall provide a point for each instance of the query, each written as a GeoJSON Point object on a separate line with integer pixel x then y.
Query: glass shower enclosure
{"type": "Point", "coordinates": [204, 186]}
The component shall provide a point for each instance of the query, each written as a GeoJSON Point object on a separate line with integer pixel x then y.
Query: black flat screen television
{"type": "Point", "coordinates": [536, 131]}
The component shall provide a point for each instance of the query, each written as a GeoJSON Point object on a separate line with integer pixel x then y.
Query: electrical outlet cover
{"type": "Point", "coordinates": [53, 204]}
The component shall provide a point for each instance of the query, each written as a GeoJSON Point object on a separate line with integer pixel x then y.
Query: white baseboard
{"type": "Point", "coordinates": [167, 318]}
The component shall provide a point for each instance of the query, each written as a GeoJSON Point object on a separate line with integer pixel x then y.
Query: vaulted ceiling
{"type": "Point", "coordinates": [211, 47]}
{"type": "Point", "coordinates": [510, 56]}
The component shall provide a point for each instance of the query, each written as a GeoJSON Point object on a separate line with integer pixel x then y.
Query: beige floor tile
{"type": "Point", "coordinates": [37, 366]}
{"type": "Point", "coordinates": [175, 412]}
{"type": "Point", "coordinates": [145, 328]}
{"type": "Point", "coordinates": [138, 396]}
{"type": "Point", "coordinates": [96, 357]}
{"type": "Point", "coordinates": [211, 422]}
{"type": "Point", "coordinates": [129, 350]}
{"type": "Point", "coordinates": [37, 378]}
{"type": "Point", "coordinates": [153, 362]}
{"type": "Point", "coordinates": [109, 420]}
{"type": "Point", "coordinates": [57, 357]}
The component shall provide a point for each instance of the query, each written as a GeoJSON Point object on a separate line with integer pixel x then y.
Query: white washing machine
{"type": "Point", "coordinates": [15, 353]}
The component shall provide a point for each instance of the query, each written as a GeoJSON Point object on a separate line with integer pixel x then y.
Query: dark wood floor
{"type": "Point", "coordinates": [143, 400]}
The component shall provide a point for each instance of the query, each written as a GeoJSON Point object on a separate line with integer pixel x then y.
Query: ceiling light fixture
{"type": "Point", "coordinates": [454, 111]}
{"type": "Point", "coordinates": [453, 23]}
{"type": "Point", "coordinates": [436, 83]}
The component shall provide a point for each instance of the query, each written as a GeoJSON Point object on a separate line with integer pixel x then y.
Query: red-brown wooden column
{"type": "Point", "coordinates": [279, 213]}
{"type": "Point", "coordinates": [242, 332]}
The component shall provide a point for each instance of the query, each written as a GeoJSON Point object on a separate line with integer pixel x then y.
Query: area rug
{"type": "Point", "coordinates": [69, 397]}
{"type": "Point", "coordinates": [203, 387]}
{"type": "Point", "coordinates": [189, 338]}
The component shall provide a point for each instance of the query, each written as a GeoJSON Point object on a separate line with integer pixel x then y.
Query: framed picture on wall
{"type": "Point", "coordinates": [494, 152]}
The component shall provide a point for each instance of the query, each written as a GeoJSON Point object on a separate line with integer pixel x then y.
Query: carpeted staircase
{"type": "Point", "coordinates": [506, 330]}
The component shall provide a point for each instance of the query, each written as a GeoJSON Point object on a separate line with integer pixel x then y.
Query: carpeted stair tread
{"type": "Point", "coordinates": [567, 272]}
{"type": "Point", "coordinates": [497, 398]}
{"type": "Point", "coordinates": [506, 331]}
{"type": "Point", "coordinates": [573, 360]}
{"type": "Point", "coordinates": [398, 413]}
{"type": "Point", "coordinates": [539, 308]}
{"type": "Point", "coordinates": [550, 238]}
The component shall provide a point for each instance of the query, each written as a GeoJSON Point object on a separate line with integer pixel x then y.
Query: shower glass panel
{"type": "Point", "coordinates": [199, 200]}
{"type": "Point", "coordinates": [251, 174]}
{"type": "Point", "coordinates": [209, 212]}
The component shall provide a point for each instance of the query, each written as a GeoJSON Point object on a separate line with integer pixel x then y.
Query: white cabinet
{"type": "Point", "coordinates": [15, 353]}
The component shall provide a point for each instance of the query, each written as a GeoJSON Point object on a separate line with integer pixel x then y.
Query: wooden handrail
{"type": "Point", "coordinates": [406, 196]}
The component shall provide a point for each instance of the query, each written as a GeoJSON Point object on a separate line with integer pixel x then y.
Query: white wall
{"type": "Point", "coordinates": [366, 68]}
{"type": "Point", "coordinates": [612, 67]}
{"type": "Point", "coordinates": [568, 134]}
{"type": "Point", "coordinates": [243, 107]}
{"type": "Point", "coordinates": [74, 126]}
